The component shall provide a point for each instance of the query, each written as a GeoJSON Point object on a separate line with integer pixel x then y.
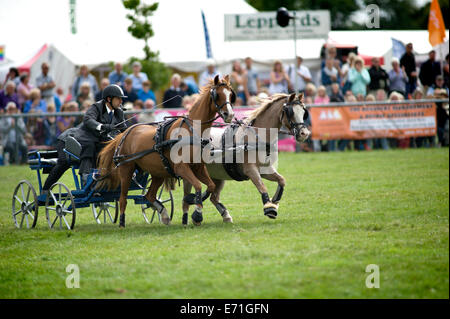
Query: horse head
{"type": "Point", "coordinates": [294, 115]}
{"type": "Point", "coordinates": [223, 98]}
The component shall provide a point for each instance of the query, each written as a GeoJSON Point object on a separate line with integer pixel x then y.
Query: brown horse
{"type": "Point", "coordinates": [280, 110]}
{"type": "Point", "coordinates": [216, 97]}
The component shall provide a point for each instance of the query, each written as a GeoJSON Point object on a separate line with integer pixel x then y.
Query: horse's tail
{"type": "Point", "coordinates": [109, 175]}
{"type": "Point", "coordinates": [169, 183]}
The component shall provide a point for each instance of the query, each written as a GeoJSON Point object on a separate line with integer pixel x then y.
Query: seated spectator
{"type": "Point", "coordinates": [359, 77]}
{"type": "Point", "coordinates": [129, 92]}
{"type": "Point", "coordinates": [51, 131]}
{"type": "Point", "coordinates": [417, 94]}
{"type": "Point", "coordinates": [8, 94]}
{"type": "Point", "coordinates": [349, 97]}
{"type": "Point", "coordinates": [9, 130]}
{"type": "Point", "coordinates": [378, 77]}
{"type": "Point", "coordinates": [149, 104]}
{"type": "Point", "coordinates": [438, 84]}
{"type": "Point", "coordinates": [30, 142]}
{"type": "Point", "coordinates": [336, 95]}
{"type": "Point", "coordinates": [84, 95]}
{"type": "Point", "coordinates": [137, 76]}
{"type": "Point", "coordinates": [173, 97]}
{"type": "Point", "coordinates": [370, 98]}
{"type": "Point", "coordinates": [396, 96]}
{"type": "Point", "coordinates": [66, 122]}
{"type": "Point", "coordinates": [322, 97]}
{"type": "Point", "coordinates": [191, 86]}
{"type": "Point", "coordinates": [187, 102]}
{"type": "Point", "coordinates": [117, 76]}
{"type": "Point", "coordinates": [13, 75]}
{"type": "Point", "coordinates": [397, 78]}
{"type": "Point", "coordinates": [103, 84]}
{"type": "Point", "coordinates": [61, 97]}
{"type": "Point", "coordinates": [84, 76]}
{"type": "Point", "coordinates": [279, 79]}
{"type": "Point", "coordinates": [146, 93]}
{"type": "Point", "coordinates": [380, 95]}
{"type": "Point", "coordinates": [24, 89]}
{"type": "Point", "coordinates": [83, 108]}
{"type": "Point", "coordinates": [310, 91]}
{"type": "Point", "coordinates": [35, 102]}
{"type": "Point", "coordinates": [35, 126]}
{"type": "Point", "coordinates": [253, 101]}
{"type": "Point", "coordinates": [360, 97]}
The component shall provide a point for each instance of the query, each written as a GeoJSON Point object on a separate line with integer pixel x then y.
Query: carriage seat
{"type": "Point", "coordinates": [72, 149]}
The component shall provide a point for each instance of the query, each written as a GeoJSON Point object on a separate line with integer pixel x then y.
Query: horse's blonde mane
{"type": "Point", "coordinates": [266, 104]}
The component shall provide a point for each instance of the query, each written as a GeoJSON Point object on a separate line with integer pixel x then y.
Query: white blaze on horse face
{"type": "Point", "coordinates": [299, 113]}
{"type": "Point", "coordinates": [229, 110]}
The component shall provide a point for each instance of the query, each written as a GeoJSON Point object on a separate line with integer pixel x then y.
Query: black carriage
{"type": "Point", "coordinates": [61, 203]}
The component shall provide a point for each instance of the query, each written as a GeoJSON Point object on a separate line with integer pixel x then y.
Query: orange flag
{"type": "Point", "coordinates": [436, 27]}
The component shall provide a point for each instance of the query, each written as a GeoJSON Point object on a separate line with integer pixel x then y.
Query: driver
{"type": "Point", "coordinates": [97, 127]}
{"type": "Point", "coordinates": [102, 121]}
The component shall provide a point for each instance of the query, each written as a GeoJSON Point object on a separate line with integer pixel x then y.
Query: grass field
{"type": "Point", "coordinates": [340, 212]}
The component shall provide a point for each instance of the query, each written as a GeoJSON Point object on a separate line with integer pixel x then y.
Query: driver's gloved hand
{"type": "Point", "coordinates": [107, 127]}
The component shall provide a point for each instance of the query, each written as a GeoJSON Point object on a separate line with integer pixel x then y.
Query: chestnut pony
{"type": "Point", "coordinates": [135, 148]}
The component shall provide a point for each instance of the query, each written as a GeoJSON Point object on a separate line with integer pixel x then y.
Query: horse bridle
{"type": "Point", "coordinates": [288, 110]}
{"type": "Point", "coordinates": [213, 94]}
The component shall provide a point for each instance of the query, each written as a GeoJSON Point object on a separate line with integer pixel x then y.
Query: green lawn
{"type": "Point", "coordinates": [340, 212]}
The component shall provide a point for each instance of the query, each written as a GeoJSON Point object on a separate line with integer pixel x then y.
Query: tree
{"type": "Point", "coordinates": [394, 14]}
{"type": "Point", "coordinates": [141, 28]}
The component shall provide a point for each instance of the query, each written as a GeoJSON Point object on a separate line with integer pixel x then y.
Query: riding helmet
{"type": "Point", "coordinates": [113, 90]}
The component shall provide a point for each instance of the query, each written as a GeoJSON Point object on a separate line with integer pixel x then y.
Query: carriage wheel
{"type": "Point", "coordinates": [60, 207]}
{"type": "Point", "coordinates": [105, 209]}
{"type": "Point", "coordinates": [147, 210]}
{"type": "Point", "coordinates": [25, 205]}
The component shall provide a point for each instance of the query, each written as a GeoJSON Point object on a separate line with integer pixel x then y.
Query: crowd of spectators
{"type": "Point", "coordinates": [342, 79]}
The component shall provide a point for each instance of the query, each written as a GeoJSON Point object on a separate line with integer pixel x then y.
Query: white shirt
{"type": "Point", "coordinates": [301, 83]}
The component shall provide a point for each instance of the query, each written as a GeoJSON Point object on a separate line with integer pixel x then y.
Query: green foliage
{"type": "Point", "coordinates": [340, 212]}
{"type": "Point", "coordinates": [340, 10]}
{"type": "Point", "coordinates": [157, 72]}
{"type": "Point", "coordinates": [141, 28]}
{"type": "Point", "coordinates": [395, 14]}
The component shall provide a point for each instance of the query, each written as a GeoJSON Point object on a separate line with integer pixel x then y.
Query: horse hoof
{"type": "Point", "coordinates": [270, 212]}
{"type": "Point", "coordinates": [227, 218]}
{"type": "Point", "coordinates": [197, 218]}
{"type": "Point", "coordinates": [165, 217]}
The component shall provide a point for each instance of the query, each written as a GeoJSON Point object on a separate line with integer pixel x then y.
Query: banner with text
{"type": "Point", "coordinates": [374, 121]}
{"type": "Point", "coordinates": [263, 26]}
